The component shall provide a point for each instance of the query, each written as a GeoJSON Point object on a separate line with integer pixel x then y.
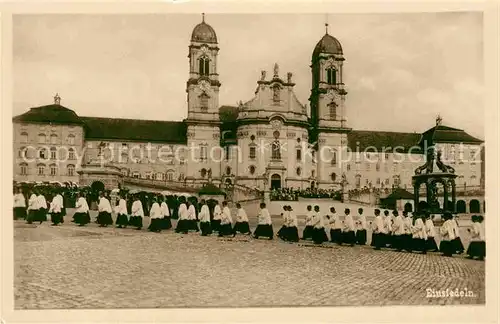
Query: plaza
{"type": "Point", "coordinates": [70, 267]}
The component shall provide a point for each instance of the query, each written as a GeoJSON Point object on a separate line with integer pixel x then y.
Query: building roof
{"type": "Point", "coordinates": [174, 132]}
{"type": "Point", "coordinates": [54, 114]}
{"type": "Point", "coordinates": [204, 33]}
{"type": "Point", "coordinates": [377, 141]}
{"type": "Point", "coordinates": [399, 193]}
{"type": "Point", "coordinates": [328, 44]}
{"type": "Point", "coordinates": [446, 134]}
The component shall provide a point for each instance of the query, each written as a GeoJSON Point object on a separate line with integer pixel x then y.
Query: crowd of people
{"type": "Point", "coordinates": [293, 194]}
{"type": "Point", "coordinates": [395, 231]}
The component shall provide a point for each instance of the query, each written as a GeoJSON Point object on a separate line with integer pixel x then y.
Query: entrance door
{"type": "Point", "coordinates": [275, 181]}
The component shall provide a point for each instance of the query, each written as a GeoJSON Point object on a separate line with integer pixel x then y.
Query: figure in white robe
{"type": "Point", "coordinates": [82, 215]}
{"type": "Point", "coordinates": [241, 225]}
{"type": "Point", "coordinates": [137, 214]}
{"type": "Point", "coordinates": [156, 217]}
{"type": "Point", "coordinates": [122, 219]}
{"type": "Point", "coordinates": [204, 215]}
{"type": "Point", "coordinates": [104, 216]}
{"type": "Point", "coordinates": [264, 226]}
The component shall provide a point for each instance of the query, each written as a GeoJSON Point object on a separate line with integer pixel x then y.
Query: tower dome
{"type": "Point", "coordinates": [328, 44]}
{"type": "Point", "coordinates": [203, 33]}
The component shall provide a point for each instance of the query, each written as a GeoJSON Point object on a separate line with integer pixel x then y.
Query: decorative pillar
{"type": "Point", "coordinates": [453, 196]}
{"type": "Point", "coordinates": [445, 196]}
{"type": "Point", "coordinates": [416, 197]}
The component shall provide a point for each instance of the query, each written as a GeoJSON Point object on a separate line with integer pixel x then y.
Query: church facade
{"type": "Point", "coordinates": [269, 141]}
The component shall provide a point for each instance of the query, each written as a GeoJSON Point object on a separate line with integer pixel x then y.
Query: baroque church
{"type": "Point", "coordinates": [269, 141]}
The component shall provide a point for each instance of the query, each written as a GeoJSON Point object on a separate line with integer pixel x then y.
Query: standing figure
{"type": "Point", "coordinates": [282, 231]}
{"type": "Point", "coordinates": [122, 213]}
{"type": "Point", "coordinates": [165, 212]}
{"type": "Point", "coordinates": [42, 208]}
{"type": "Point", "coordinates": [348, 232]}
{"type": "Point", "coordinates": [19, 205]}
{"type": "Point", "coordinates": [226, 223]}
{"type": "Point", "coordinates": [265, 225]}
{"type": "Point", "coordinates": [408, 234]}
{"type": "Point", "coordinates": [477, 246]}
{"type": "Point", "coordinates": [308, 229]}
{"type": "Point", "coordinates": [292, 234]}
{"type": "Point", "coordinates": [361, 228]}
{"type": "Point", "coordinates": [379, 234]}
{"type": "Point", "coordinates": [204, 216]}
{"type": "Point", "coordinates": [399, 231]}
{"type": "Point", "coordinates": [335, 227]}
{"type": "Point", "coordinates": [193, 225]}
{"type": "Point", "coordinates": [156, 217]}
{"type": "Point", "coordinates": [183, 222]}
{"type": "Point", "coordinates": [55, 209]}
{"type": "Point", "coordinates": [32, 208]}
{"type": "Point", "coordinates": [388, 239]}
{"type": "Point", "coordinates": [430, 244]}
{"type": "Point", "coordinates": [447, 236]}
{"type": "Point", "coordinates": [217, 217]}
{"type": "Point", "coordinates": [319, 235]}
{"type": "Point", "coordinates": [241, 225]}
{"type": "Point", "coordinates": [137, 213]}
{"type": "Point", "coordinates": [459, 247]}
{"type": "Point", "coordinates": [104, 217]}
{"type": "Point", "coordinates": [81, 216]}
{"type": "Point", "coordinates": [419, 235]}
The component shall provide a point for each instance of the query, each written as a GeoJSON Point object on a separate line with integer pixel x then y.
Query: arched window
{"type": "Point", "coordinates": [331, 76]}
{"type": "Point", "coordinates": [474, 206]}
{"type": "Point", "coordinates": [53, 169]}
{"type": "Point", "coordinates": [42, 153]}
{"type": "Point", "coordinates": [124, 157]}
{"type": "Point", "coordinates": [41, 169]}
{"type": "Point", "coordinates": [203, 172]}
{"type": "Point", "coordinates": [136, 174]}
{"type": "Point", "coordinates": [333, 176]}
{"type": "Point", "coordinates": [332, 110]}
{"type": "Point", "coordinates": [334, 157]}
{"type": "Point", "coordinates": [170, 175]}
{"type": "Point", "coordinates": [204, 66]}
{"type": "Point", "coordinates": [71, 170]}
{"type": "Point", "coordinates": [252, 169]}
{"type": "Point", "coordinates": [348, 167]}
{"type": "Point", "coordinates": [71, 139]}
{"type": "Point", "coordinates": [71, 154]}
{"type": "Point", "coordinates": [228, 171]}
{"type": "Point", "coordinates": [276, 151]}
{"type": "Point", "coordinates": [53, 153]}
{"type": "Point", "coordinates": [313, 174]}
{"type": "Point", "coordinates": [23, 152]}
{"type": "Point", "coordinates": [181, 176]}
{"type": "Point", "coordinates": [276, 93]}
{"type": "Point", "coordinates": [204, 101]}
{"type": "Point", "coordinates": [299, 171]}
{"type": "Point", "coordinates": [42, 138]}
{"type": "Point", "coordinates": [299, 154]}
{"type": "Point", "coordinates": [253, 151]}
{"type": "Point", "coordinates": [358, 181]}
{"type": "Point", "coordinates": [53, 139]}
{"type": "Point", "coordinates": [24, 137]}
{"type": "Point", "coordinates": [203, 152]}
{"type": "Point", "coordinates": [23, 168]}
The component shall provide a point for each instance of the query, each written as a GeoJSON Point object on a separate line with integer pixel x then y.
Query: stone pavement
{"type": "Point", "coordinates": [91, 267]}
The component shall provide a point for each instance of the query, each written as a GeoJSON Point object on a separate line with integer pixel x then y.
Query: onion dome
{"type": "Point", "coordinates": [204, 33]}
{"type": "Point", "coordinates": [328, 44]}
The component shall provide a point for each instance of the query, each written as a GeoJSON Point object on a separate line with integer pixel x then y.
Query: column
{"type": "Point", "coordinates": [416, 190]}
{"type": "Point", "coordinates": [445, 202]}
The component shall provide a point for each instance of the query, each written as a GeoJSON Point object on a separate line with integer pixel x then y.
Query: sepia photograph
{"type": "Point", "coordinates": [198, 160]}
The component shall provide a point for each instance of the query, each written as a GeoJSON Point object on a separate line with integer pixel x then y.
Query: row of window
{"type": "Point", "coordinates": [168, 176]}
{"type": "Point", "coordinates": [43, 170]}
{"type": "Point", "coordinates": [43, 153]}
{"type": "Point", "coordinates": [44, 139]}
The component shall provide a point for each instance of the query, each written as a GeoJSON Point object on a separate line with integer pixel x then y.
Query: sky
{"type": "Point", "coordinates": [401, 70]}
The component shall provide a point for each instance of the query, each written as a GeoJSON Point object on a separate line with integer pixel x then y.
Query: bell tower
{"type": "Point", "coordinates": [203, 131]}
{"type": "Point", "coordinates": [328, 115]}
{"type": "Point", "coordinates": [203, 84]}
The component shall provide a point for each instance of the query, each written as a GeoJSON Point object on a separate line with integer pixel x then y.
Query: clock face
{"type": "Point", "coordinates": [204, 86]}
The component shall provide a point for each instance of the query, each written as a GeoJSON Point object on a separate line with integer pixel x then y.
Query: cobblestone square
{"type": "Point", "coordinates": [91, 267]}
